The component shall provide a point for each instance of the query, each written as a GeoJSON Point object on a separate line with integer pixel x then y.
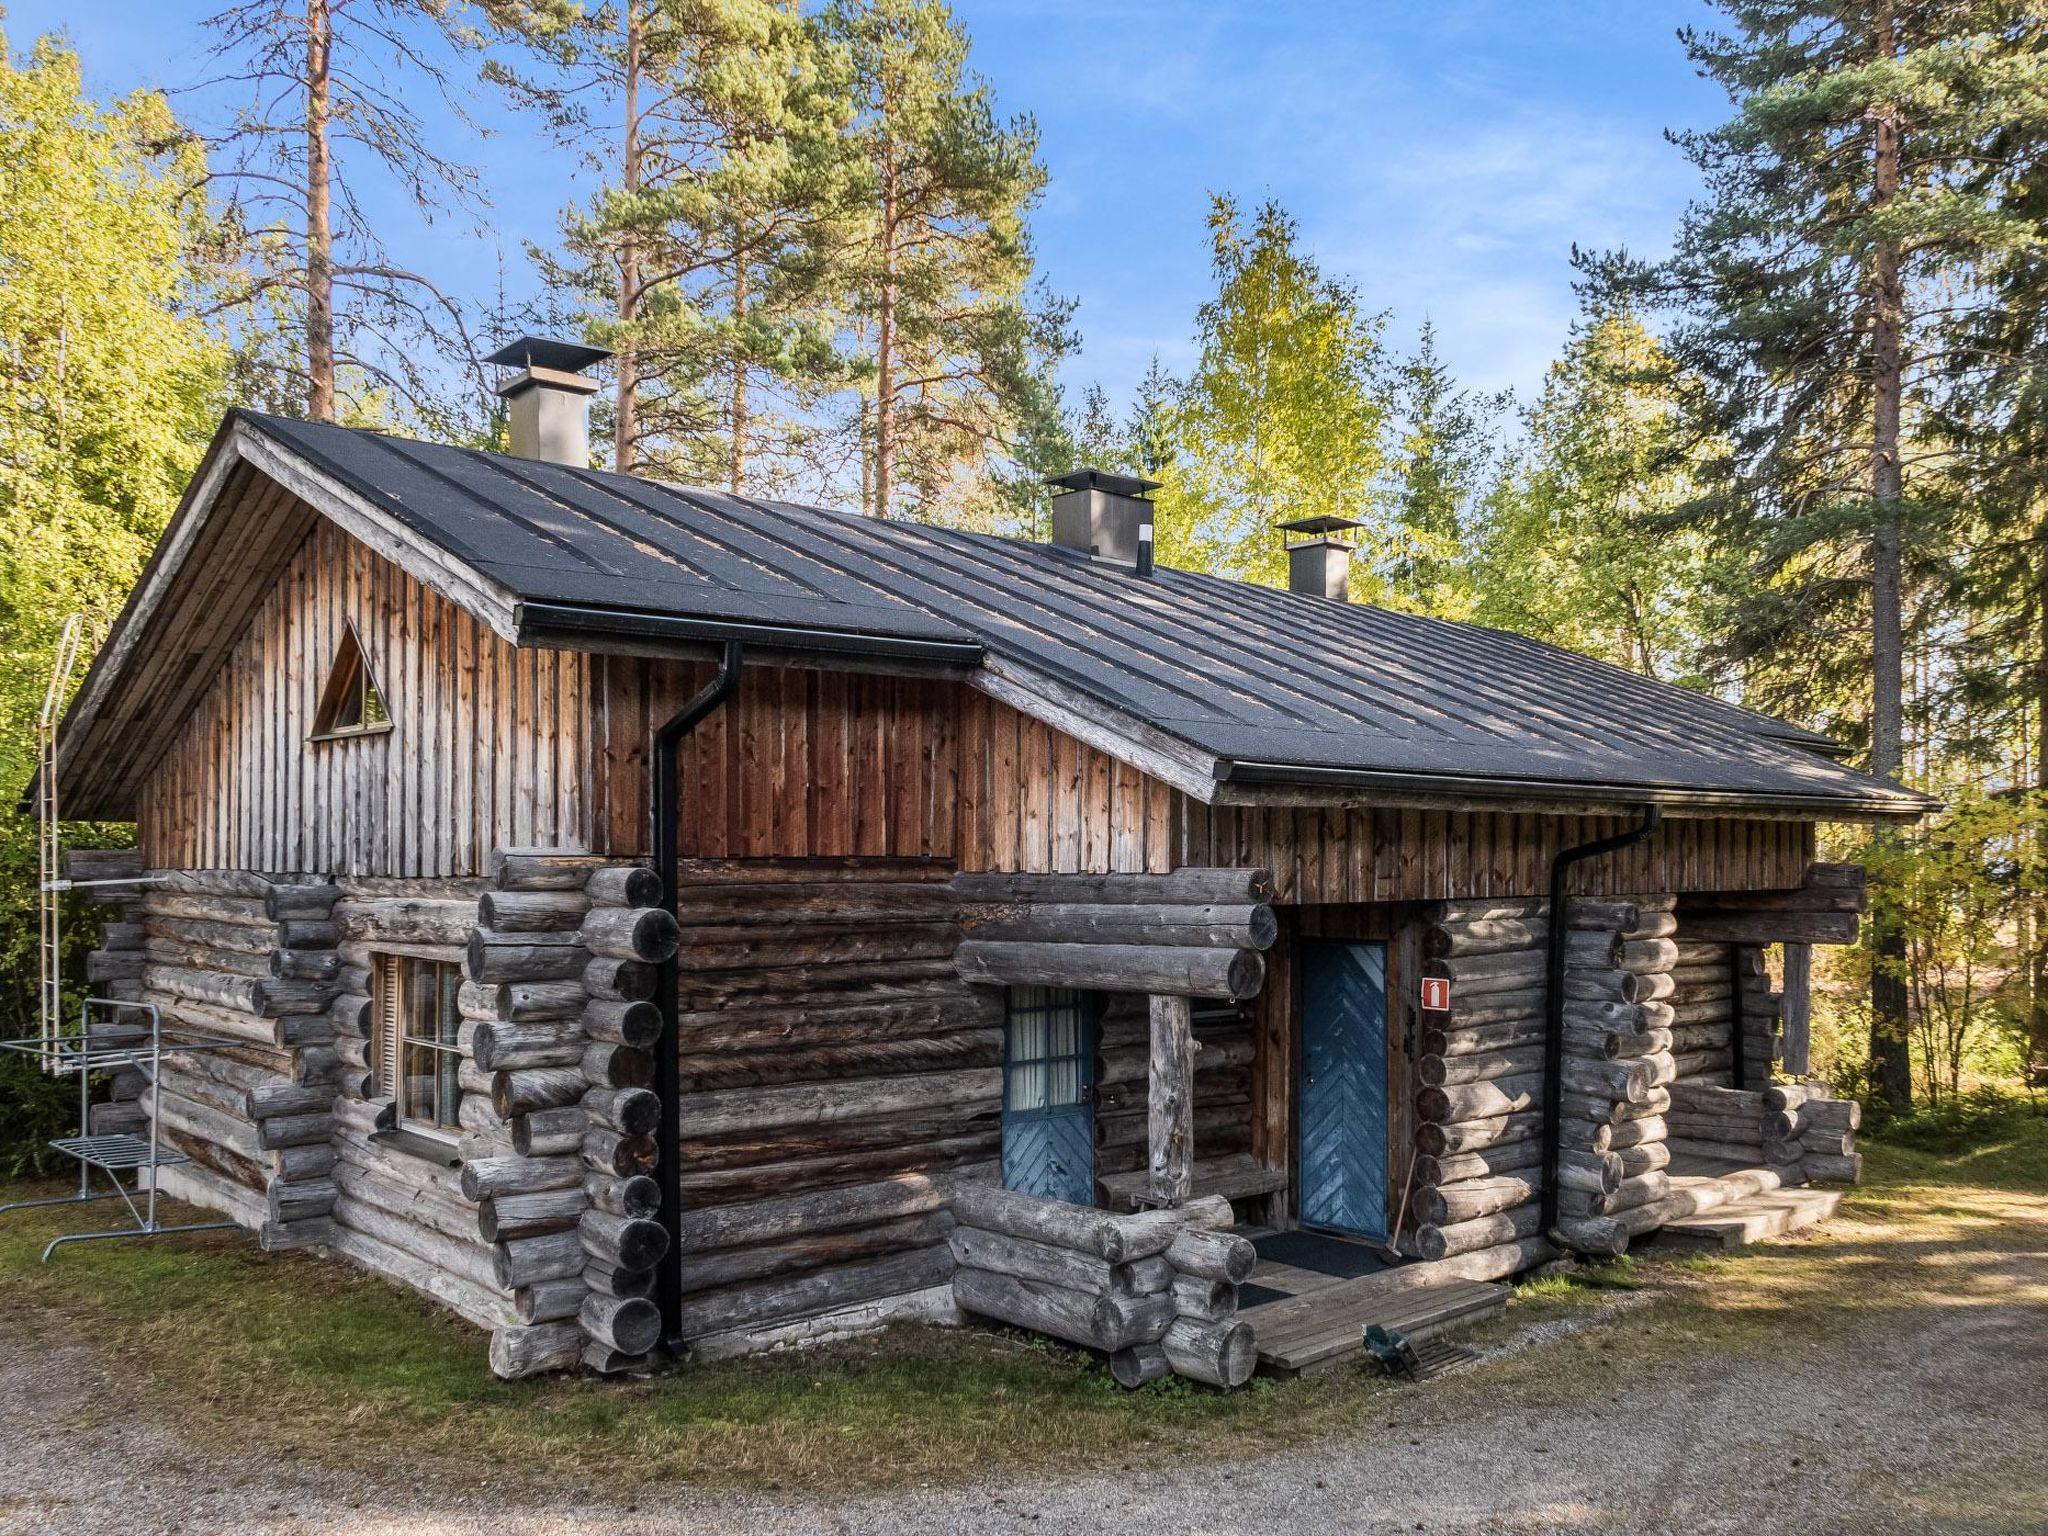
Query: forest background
{"type": "Point", "coordinates": [1790, 452]}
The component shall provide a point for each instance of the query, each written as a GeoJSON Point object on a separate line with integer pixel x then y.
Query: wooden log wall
{"type": "Point", "coordinates": [113, 969]}
{"type": "Point", "coordinates": [1222, 1087]}
{"type": "Point", "coordinates": [830, 765]}
{"type": "Point", "coordinates": [1618, 1070]}
{"type": "Point", "coordinates": [1481, 1088]}
{"type": "Point", "coordinates": [249, 958]}
{"type": "Point", "coordinates": [832, 1064]}
{"type": "Point", "coordinates": [545, 1233]}
{"type": "Point", "coordinates": [1703, 1022]}
{"type": "Point", "coordinates": [1478, 1077]}
{"type": "Point", "coordinates": [1795, 1131]}
{"type": "Point", "coordinates": [1156, 1292]}
{"type": "Point", "coordinates": [489, 745]}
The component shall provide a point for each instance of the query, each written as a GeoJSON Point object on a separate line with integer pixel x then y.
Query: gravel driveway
{"type": "Point", "coordinates": [1912, 1409]}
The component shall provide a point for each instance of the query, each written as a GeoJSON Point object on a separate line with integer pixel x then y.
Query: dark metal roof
{"type": "Point", "coordinates": [1276, 688]}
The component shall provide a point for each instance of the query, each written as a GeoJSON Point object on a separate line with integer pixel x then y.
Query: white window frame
{"type": "Point", "coordinates": [393, 1034]}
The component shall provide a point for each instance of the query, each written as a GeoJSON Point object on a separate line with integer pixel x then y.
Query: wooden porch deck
{"type": "Point", "coordinates": [1311, 1295]}
{"type": "Point", "coordinates": [1317, 1293]}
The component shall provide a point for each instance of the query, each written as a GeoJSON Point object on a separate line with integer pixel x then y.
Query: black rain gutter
{"type": "Point", "coordinates": [1320, 776]}
{"type": "Point", "coordinates": [668, 1273]}
{"type": "Point", "coordinates": [563, 624]}
{"type": "Point", "coordinates": [1556, 943]}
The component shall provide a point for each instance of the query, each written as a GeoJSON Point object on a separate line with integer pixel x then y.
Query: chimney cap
{"type": "Point", "coordinates": [1103, 480]}
{"type": "Point", "coordinates": [546, 352]}
{"type": "Point", "coordinates": [1322, 525]}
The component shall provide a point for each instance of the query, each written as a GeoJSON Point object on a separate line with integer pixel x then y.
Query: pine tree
{"type": "Point", "coordinates": [327, 111]}
{"type": "Point", "coordinates": [1446, 443]}
{"type": "Point", "coordinates": [956, 348]}
{"type": "Point", "coordinates": [1811, 277]}
{"type": "Point", "coordinates": [714, 124]}
{"type": "Point", "coordinates": [1285, 411]}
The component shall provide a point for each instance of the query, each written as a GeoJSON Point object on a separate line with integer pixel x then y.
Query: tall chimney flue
{"type": "Point", "coordinates": [1319, 561]}
{"type": "Point", "coordinates": [1104, 516]}
{"type": "Point", "coordinates": [547, 398]}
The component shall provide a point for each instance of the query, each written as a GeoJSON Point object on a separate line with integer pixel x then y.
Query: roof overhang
{"type": "Point", "coordinates": [168, 642]}
{"type": "Point", "coordinates": [1250, 782]}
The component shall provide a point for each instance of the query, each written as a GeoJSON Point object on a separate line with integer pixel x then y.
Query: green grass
{"type": "Point", "coordinates": [326, 1362]}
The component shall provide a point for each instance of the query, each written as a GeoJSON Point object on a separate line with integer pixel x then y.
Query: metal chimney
{"type": "Point", "coordinates": [1105, 516]}
{"type": "Point", "coordinates": [1319, 562]}
{"type": "Point", "coordinates": [547, 401]}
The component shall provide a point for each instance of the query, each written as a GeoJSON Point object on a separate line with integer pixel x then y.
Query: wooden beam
{"type": "Point", "coordinates": [1798, 1009]}
{"type": "Point", "coordinates": [1768, 927]}
{"type": "Point", "coordinates": [1185, 971]}
{"type": "Point", "coordinates": [1170, 1102]}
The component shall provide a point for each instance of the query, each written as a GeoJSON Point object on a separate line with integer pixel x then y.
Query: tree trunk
{"type": "Point", "coordinates": [2037, 1015]}
{"type": "Point", "coordinates": [1891, 1063]}
{"type": "Point", "coordinates": [736, 449]}
{"type": "Point", "coordinates": [625, 426]}
{"type": "Point", "coordinates": [319, 216]}
{"type": "Point", "coordinates": [885, 344]}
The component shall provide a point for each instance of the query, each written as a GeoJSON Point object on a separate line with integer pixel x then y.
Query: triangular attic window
{"type": "Point", "coordinates": [351, 704]}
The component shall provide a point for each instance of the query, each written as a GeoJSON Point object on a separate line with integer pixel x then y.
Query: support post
{"type": "Point", "coordinates": [1170, 1101]}
{"type": "Point", "coordinates": [1798, 1006]}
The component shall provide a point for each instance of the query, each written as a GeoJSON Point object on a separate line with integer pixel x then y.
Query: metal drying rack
{"type": "Point", "coordinates": [110, 1038]}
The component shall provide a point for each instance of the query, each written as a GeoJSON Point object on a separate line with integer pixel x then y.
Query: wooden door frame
{"type": "Point", "coordinates": [1276, 1067]}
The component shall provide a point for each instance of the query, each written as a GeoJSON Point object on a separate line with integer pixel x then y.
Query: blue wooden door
{"type": "Point", "coordinates": [1048, 1094]}
{"type": "Point", "coordinates": [1344, 1087]}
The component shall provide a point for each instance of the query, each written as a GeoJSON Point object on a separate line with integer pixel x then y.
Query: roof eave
{"type": "Point", "coordinates": [582, 626]}
{"type": "Point", "coordinates": [1900, 806]}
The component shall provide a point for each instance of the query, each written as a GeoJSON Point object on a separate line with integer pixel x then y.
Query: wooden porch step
{"type": "Point", "coordinates": [1327, 1326]}
{"type": "Point", "coordinates": [1752, 1219]}
{"type": "Point", "coordinates": [1236, 1177]}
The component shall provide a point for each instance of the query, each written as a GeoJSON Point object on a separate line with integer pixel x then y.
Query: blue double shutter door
{"type": "Point", "coordinates": [1343, 1147]}
{"type": "Point", "coordinates": [1049, 1093]}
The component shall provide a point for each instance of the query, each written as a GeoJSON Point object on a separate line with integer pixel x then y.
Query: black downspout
{"type": "Point", "coordinates": [1553, 995]}
{"type": "Point", "coordinates": [668, 1274]}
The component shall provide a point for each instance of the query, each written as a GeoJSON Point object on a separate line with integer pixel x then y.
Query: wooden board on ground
{"type": "Point", "coordinates": [1755, 1219]}
{"type": "Point", "coordinates": [1327, 1326]}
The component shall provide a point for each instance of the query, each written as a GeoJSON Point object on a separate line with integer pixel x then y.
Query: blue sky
{"type": "Point", "coordinates": [1442, 156]}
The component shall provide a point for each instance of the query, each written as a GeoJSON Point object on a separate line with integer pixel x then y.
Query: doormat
{"type": "Point", "coordinates": [1257, 1295]}
{"type": "Point", "coordinates": [1323, 1255]}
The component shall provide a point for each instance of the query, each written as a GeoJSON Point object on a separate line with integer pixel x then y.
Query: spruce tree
{"type": "Point", "coordinates": [1811, 279]}
{"type": "Point", "coordinates": [1446, 443]}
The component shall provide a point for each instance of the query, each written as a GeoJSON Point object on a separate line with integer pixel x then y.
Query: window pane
{"type": "Point", "coordinates": [429, 1021]}
{"type": "Point", "coordinates": [451, 1006]}
{"type": "Point", "coordinates": [373, 711]}
{"type": "Point", "coordinates": [1028, 1086]}
{"type": "Point", "coordinates": [1064, 1086]}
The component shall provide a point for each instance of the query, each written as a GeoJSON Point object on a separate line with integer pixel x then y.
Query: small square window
{"type": "Point", "coordinates": [418, 1052]}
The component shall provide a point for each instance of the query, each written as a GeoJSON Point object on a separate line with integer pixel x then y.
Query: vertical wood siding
{"type": "Point", "coordinates": [835, 765]}
{"type": "Point", "coordinates": [488, 745]}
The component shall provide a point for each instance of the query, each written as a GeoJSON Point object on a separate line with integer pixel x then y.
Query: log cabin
{"type": "Point", "coordinates": [662, 924]}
